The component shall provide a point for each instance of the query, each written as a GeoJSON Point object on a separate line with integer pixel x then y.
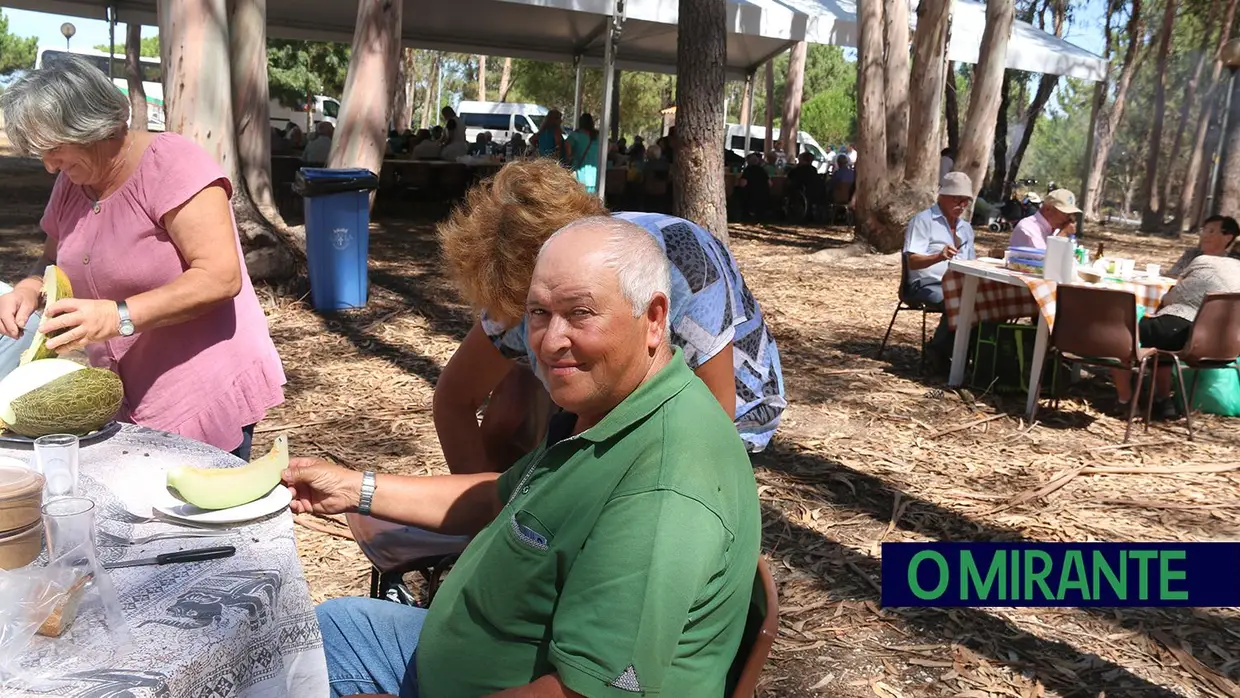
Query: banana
{"type": "Point", "coordinates": [224, 488]}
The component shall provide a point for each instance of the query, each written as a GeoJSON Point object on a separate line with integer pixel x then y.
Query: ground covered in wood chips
{"type": "Point", "coordinates": [869, 452]}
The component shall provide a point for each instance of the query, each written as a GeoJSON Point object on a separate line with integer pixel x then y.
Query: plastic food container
{"type": "Point", "coordinates": [21, 496]}
{"type": "Point", "coordinates": [20, 548]}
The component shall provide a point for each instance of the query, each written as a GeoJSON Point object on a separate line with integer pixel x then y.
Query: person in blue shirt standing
{"type": "Point", "coordinates": [934, 237]}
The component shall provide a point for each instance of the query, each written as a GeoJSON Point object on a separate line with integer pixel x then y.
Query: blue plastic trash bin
{"type": "Point", "coordinates": [337, 206]}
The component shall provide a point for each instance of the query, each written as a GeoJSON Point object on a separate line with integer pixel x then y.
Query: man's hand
{"type": "Point", "coordinates": [79, 322]}
{"type": "Point", "coordinates": [948, 252]}
{"type": "Point", "coordinates": [319, 487]}
{"type": "Point", "coordinates": [16, 306]}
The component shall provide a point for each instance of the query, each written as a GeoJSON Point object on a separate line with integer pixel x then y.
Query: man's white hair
{"type": "Point", "coordinates": [641, 265]}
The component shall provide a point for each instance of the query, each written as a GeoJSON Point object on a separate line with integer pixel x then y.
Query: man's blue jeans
{"type": "Point", "coordinates": [11, 349]}
{"type": "Point", "coordinates": [370, 646]}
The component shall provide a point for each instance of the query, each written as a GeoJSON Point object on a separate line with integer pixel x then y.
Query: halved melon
{"type": "Point", "coordinates": [55, 287]}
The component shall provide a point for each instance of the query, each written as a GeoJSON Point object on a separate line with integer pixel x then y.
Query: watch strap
{"type": "Point", "coordinates": [126, 323]}
{"type": "Point", "coordinates": [368, 493]}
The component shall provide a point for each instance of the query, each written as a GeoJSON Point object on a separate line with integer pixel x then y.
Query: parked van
{"type": "Point", "coordinates": [501, 119]}
{"type": "Point", "coordinates": [757, 144]}
{"type": "Point", "coordinates": [307, 119]}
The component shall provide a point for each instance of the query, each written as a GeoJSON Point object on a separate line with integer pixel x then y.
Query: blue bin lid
{"type": "Point", "coordinates": [311, 173]}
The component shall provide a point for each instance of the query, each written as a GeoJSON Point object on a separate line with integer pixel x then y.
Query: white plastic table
{"type": "Point", "coordinates": [973, 273]}
{"type": "Point", "coordinates": [238, 626]}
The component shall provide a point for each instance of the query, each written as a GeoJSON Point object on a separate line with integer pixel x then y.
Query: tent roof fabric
{"type": "Point", "coordinates": [558, 30]}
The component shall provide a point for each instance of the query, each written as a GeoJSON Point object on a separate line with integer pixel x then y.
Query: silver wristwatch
{"type": "Point", "coordinates": [368, 493]}
{"type": "Point", "coordinates": [126, 325]}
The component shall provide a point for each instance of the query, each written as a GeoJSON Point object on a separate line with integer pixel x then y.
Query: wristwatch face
{"type": "Point", "coordinates": [126, 328]}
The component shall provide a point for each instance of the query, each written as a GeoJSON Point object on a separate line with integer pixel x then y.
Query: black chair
{"type": "Point", "coordinates": [906, 302]}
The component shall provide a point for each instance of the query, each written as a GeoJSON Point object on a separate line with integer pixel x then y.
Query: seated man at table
{"type": "Point", "coordinates": [934, 237]}
{"type": "Point", "coordinates": [1056, 216]}
{"type": "Point", "coordinates": [617, 558]}
{"type": "Point", "coordinates": [320, 146]}
{"type": "Point", "coordinates": [1218, 233]}
{"type": "Point", "coordinates": [1168, 328]}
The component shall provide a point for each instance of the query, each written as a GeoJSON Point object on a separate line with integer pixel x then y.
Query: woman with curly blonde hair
{"type": "Point", "coordinates": [490, 245]}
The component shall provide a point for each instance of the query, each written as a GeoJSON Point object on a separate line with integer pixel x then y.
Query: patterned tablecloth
{"type": "Point", "coordinates": [998, 302]}
{"type": "Point", "coordinates": [237, 626]}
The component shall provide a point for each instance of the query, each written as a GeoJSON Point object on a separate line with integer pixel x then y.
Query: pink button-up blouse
{"type": "Point", "coordinates": [206, 378]}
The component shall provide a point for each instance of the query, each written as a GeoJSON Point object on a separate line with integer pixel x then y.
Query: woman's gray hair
{"type": "Point", "coordinates": [70, 102]}
{"type": "Point", "coordinates": [640, 263]}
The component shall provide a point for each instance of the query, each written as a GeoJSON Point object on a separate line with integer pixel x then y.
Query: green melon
{"type": "Point", "coordinates": [57, 396]}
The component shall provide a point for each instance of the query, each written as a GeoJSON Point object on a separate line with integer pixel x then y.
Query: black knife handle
{"type": "Point", "coordinates": [196, 555]}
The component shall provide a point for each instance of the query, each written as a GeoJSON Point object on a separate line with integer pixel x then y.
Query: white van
{"type": "Point", "coordinates": [501, 119]}
{"type": "Point", "coordinates": [757, 144]}
{"type": "Point", "coordinates": [325, 109]}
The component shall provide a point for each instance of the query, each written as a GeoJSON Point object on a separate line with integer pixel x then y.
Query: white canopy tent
{"type": "Point", "coordinates": [624, 34]}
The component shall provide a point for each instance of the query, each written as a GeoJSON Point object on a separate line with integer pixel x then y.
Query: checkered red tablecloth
{"type": "Point", "coordinates": [1000, 302]}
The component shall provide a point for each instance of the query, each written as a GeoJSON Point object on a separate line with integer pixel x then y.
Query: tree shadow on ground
{"type": "Point", "coordinates": [846, 488]}
{"type": "Point", "coordinates": [788, 236]}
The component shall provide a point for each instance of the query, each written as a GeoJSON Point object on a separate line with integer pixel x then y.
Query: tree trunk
{"type": "Point", "coordinates": [1152, 215]}
{"type": "Point", "coordinates": [994, 188]}
{"type": "Point", "coordinates": [984, 102]}
{"type": "Point", "coordinates": [873, 177]}
{"type": "Point", "coordinates": [429, 106]}
{"type": "Point", "coordinates": [746, 103]}
{"type": "Point", "coordinates": [1185, 216]}
{"type": "Point", "coordinates": [138, 115]}
{"type": "Point", "coordinates": [505, 80]}
{"type": "Point", "coordinates": [895, 31]}
{"type": "Point", "coordinates": [198, 99]}
{"type": "Point", "coordinates": [1109, 119]}
{"type": "Point", "coordinates": [697, 172]}
{"type": "Point", "coordinates": [482, 78]}
{"type": "Point", "coordinates": [921, 167]}
{"type": "Point", "coordinates": [1046, 87]}
{"type": "Point", "coordinates": [1229, 171]}
{"type": "Point", "coordinates": [770, 108]}
{"type": "Point", "coordinates": [795, 84]}
{"type": "Point", "coordinates": [951, 109]}
{"type": "Point", "coordinates": [251, 103]}
{"type": "Point", "coordinates": [406, 85]}
{"type": "Point", "coordinates": [360, 137]}
{"type": "Point", "coordinates": [1190, 97]}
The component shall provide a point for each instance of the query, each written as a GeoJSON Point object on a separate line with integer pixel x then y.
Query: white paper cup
{"type": "Point", "coordinates": [1153, 271]}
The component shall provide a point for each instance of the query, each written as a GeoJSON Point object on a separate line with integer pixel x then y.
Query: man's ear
{"type": "Point", "coordinates": [656, 314]}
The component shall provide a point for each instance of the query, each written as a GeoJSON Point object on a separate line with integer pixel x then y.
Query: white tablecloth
{"type": "Point", "coordinates": [238, 626]}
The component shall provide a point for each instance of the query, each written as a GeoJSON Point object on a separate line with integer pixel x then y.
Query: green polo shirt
{"type": "Point", "coordinates": [623, 560]}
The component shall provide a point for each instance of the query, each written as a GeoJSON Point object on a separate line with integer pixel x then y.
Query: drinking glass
{"type": "Point", "coordinates": [69, 523]}
{"type": "Point", "coordinates": [57, 458]}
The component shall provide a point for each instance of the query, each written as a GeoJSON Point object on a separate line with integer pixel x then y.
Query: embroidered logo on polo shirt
{"type": "Point", "coordinates": [627, 681]}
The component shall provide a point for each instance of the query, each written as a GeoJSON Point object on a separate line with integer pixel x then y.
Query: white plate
{"type": "Point", "coordinates": [169, 504]}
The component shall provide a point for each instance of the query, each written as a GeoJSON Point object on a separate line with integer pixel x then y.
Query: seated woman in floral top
{"type": "Point", "coordinates": [490, 245]}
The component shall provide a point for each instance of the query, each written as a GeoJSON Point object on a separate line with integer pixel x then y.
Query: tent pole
{"type": "Point", "coordinates": [609, 79]}
{"type": "Point", "coordinates": [578, 68]}
{"type": "Point", "coordinates": [747, 116]}
{"type": "Point", "coordinates": [111, 40]}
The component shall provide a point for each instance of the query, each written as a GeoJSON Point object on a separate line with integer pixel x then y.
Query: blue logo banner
{"type": "Point", "coordinates": [1061, 574]}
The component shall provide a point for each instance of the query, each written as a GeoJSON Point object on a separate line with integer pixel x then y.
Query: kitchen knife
{"type": "Point", "coordinates": [182, 556]}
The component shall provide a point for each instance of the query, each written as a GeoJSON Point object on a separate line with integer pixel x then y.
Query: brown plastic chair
{"type": "Point", "coordinates": [1213, 343]}
{"type": "Point", "coordinates": [761, 628]}
{"type": "Point", "coordinates": [1097, 326]}
{"type": "Point", "coordinates": [903, 303]}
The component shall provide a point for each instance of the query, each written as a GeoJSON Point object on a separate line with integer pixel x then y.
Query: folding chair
{"type": "Point", "coordinates": [1213, 343]}
{"type": "Point", "coordinates": [905, 302]}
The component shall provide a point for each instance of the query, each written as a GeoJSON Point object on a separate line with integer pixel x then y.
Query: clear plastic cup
{"type": "Point", "coordinates": [69, 523]}
{"type": "Point", "coordinates": [56, 456]}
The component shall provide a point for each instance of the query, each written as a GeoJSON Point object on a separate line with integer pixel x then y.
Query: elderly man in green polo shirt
{"type": "Point", "coordinates": [615, 559]}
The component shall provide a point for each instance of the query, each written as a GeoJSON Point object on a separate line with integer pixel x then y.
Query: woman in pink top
{"type": "Point", "coordinates": [141, 224]}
